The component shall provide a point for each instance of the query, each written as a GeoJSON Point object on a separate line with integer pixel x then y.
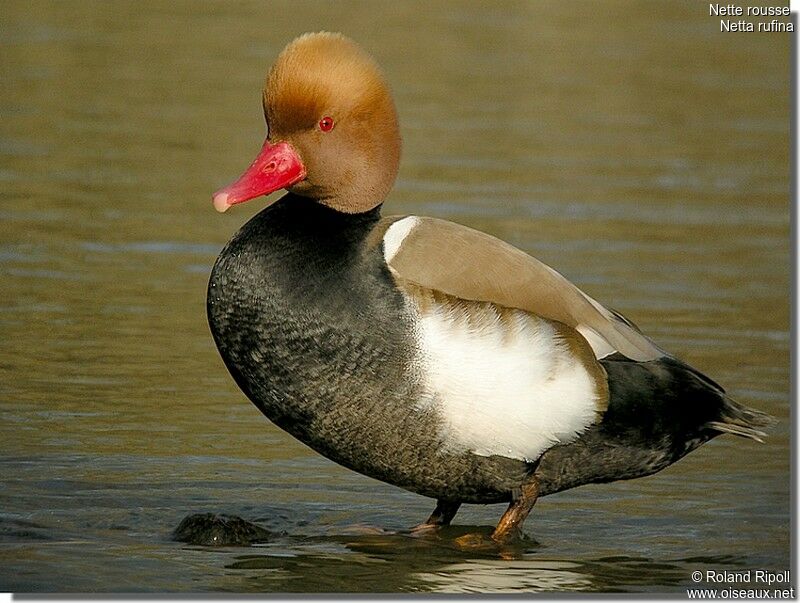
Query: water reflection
{"type": "Point", "coordinates": [396, 563]}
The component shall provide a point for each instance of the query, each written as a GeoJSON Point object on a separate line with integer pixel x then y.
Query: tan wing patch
{"type": "Point", "coordinates": [465, 263]}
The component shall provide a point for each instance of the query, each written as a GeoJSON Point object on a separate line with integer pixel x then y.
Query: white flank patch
{"type": "Point", "coordinates": [395, 235]}
{"type": "Point", "coordinates": [509, 388]}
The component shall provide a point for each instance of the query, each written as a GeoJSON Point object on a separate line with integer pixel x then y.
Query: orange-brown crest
{"type": "Point", "coordinates": [314, 72]}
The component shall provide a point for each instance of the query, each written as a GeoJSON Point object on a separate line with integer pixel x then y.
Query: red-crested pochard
{"type": "Point", "coordinates": [418, 351]}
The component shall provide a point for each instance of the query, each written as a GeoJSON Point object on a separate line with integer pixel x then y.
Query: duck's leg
{"type": "Point", "coordinates": [442, 516]}
{"type": "Point", "coordinates": [443, 513]}
{"type": "Point", "coordinates": [510, 524]}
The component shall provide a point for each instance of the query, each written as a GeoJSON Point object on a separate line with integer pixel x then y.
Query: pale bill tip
{"type": "Point", "coordinates": [221, 202]}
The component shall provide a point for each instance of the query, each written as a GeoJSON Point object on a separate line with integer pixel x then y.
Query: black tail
{"type": "Point", "coordinates": [666, 397]}
{"type": "Point", "coordinates": [658, 412]}
{"type": "Point", "coordinates": [740, 420]}
{"type": "Point", "coordinates": [735, 418]}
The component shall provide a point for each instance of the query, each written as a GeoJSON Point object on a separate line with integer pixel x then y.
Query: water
{"type": "Point", "coordinates": [629, 145]}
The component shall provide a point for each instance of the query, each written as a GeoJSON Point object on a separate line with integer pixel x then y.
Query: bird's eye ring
{"type": "Point", "coordinates": [326, 124]}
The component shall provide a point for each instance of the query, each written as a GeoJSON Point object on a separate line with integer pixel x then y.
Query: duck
{"type": "Point", "coordinates": [418, 351]}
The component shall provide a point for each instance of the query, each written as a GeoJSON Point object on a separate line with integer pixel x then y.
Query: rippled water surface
{"type": "Point", "coordinates": [628, 144]}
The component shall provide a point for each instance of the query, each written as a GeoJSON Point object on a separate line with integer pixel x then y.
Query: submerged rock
{"type": "Point", "coordinates": [212, 529]}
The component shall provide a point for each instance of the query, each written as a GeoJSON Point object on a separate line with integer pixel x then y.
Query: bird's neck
{"type": "Point", "coordinates": [298, 240]}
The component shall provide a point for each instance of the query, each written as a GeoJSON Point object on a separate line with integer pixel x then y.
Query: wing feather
{"type": "Point", "coordinates": [466, 263]}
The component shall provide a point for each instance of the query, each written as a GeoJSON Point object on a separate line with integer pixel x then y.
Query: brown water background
{"type": "Point", "coordinates": [630, 145]}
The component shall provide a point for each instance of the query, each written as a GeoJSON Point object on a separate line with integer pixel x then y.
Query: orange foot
{"type": "Point", "coordinates": [476, 542]}
{"type": "Point", "coordinates": [504, 546]}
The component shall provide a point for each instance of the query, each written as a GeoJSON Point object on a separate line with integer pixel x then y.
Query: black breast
{"type": "Point", "coordinates": [295, 302]}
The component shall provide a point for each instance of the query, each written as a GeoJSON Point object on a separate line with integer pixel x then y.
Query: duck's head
{"type": "Point", "coordinates": [332, 131]}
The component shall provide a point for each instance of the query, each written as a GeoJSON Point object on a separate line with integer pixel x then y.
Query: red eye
{"type": "Point", "coordinates": [326, 124]}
